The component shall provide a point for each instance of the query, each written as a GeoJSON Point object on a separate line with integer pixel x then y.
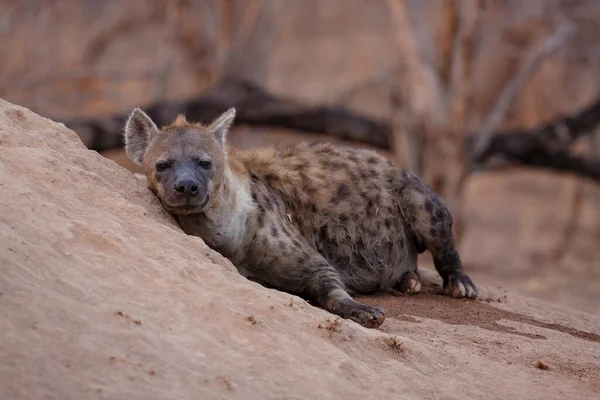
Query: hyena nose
{"type": "Point", "coordinates": [188, 188]}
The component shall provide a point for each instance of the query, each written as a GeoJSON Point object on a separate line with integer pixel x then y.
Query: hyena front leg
{"type": "Point", "coordinates": [431, 224]}
{"type": "Point", "coordinates": [326, 287]}
{"type": "Point", "coordinates": [306, 271]}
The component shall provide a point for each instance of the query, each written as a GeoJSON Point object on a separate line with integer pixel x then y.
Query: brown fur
{"type": "Point", "coordinates": [312, 219]}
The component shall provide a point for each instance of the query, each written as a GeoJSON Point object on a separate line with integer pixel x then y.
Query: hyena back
{"type": "Point", "coordinates": [316, 220]}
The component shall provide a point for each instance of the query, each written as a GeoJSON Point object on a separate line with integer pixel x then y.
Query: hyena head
{"type": "Point", "coordinates": [183, 162]}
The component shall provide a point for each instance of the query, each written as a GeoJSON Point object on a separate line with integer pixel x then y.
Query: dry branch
{"type": "Point", "coordinates": [254, 107]}
{"type": "Point", "coordinates": [532, 64]}
{"type": "Point", "coordinates": [545, 146]}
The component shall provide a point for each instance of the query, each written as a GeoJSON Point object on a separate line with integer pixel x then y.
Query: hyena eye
{"type": "Point", "coordinates": [162, 165]}
{"type": "Point", "coordinates": [205, 164]}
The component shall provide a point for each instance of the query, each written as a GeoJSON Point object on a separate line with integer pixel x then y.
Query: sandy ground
{"type": "Point", "coordinates": [102, 296]}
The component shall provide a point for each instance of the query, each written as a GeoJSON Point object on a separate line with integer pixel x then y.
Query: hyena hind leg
{"type": "Point", "coordinates": [409, 283]}
{"type": "Point", "coordinates": [431, 224]}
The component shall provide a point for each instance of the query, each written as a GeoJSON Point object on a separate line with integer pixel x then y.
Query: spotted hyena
{"type": "Point", "coordinates": [316, 220]}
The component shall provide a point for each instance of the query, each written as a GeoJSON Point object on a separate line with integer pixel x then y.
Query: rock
{"type": "Point", "coordinates": [103, 296]}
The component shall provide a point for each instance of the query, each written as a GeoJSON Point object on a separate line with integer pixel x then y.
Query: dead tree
{"type": "Point", "coordinates": [430, 120]}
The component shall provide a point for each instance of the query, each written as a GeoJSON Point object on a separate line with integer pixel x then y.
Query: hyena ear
{"type": "Point", "coordinates": [220, 126]}
{"type": "Point", "coordinates": [139, 131]}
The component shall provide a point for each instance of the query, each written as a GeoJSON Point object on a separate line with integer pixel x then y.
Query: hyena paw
{"type": "Point", "coordinates": [369, 317]}
{"type": "Point", "coordinates": [460, 285]}
{"type": "Point", "coordinates": [410, 283]}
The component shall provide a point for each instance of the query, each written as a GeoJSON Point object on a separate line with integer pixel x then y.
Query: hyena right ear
{"type": "Point", "coordinates": [139, 131]}
{"type": "Point", "coordinates": [220, 126]}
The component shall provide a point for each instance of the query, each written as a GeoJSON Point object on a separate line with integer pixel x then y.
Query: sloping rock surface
{"type": "Point", "coordinates": [102, 296]}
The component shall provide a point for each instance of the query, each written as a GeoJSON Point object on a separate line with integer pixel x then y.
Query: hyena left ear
{"type": "Point", "coordinates": [139, 131]}
{"type": "Point", "coordinates": [220, 126]}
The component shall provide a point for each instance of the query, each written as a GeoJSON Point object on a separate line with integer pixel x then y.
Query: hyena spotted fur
{"type": "Point", "coordinates": [316, 220]}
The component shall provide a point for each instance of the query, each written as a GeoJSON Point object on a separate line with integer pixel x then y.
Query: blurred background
{"type": "Point", "coordinates": [494, 103]}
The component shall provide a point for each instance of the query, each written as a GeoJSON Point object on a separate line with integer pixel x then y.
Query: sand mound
{"type": "Point", "coordinates": [103, 296]}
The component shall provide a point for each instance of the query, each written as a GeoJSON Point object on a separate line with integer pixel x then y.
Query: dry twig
{"type": "Point", "coordinates": [532, 64]}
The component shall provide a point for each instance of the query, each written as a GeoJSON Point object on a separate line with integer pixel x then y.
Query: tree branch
{"type": "Point", "coordinates": [545, 146]}
{"type": "Point", "coordinates": [532, 64]}
{"type": "Point", "coordinates": [254, 107]}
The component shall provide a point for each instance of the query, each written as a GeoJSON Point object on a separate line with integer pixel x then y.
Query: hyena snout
{"type": "Point", "coordinates": [187, 188]}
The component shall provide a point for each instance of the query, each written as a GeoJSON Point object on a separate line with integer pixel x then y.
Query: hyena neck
{"type": "Point", "coordinates": [233, 201]}
{"type": "Point", "coordinates": [223, 225]}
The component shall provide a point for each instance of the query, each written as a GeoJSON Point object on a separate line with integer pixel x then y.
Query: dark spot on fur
{"type": "Point", "coordinates": [434, 220]}
{"type": "Point", "coordinates": [323, 232]}
{"type": "Point", "coordinates": [439, 213]}
{"type": "Point", "coordinates": [270, 178]}
{"type": "Point", "coordinates": [343, 218]}
{"type": "Point", "coordinates": [268, 203]}
{"type": "Point", "coordinates": [253, 238]}
{"type": "Point", "coordinates": [372, 160]}
{"type": "Point", "coordinates": [353, 176]}
{"type": "Point", "coordinates": [254, 177]}
{"type": "Point", "coordinates": [373, 173]}
{"type": "Point", "coordinates": [300, 167]}
{"type": "Point", "coordinates": [342, 192]}
{"type": "Point", "coordinates": [370, 208]}
{"type": "Point", "coordinates": [327, 164]}
{"type": "Point", "coordinates": [261, 219]}
{"type": "Point", "coordinates": [378, 199]}
{"type": "Point", "coordinates": [363, 175]}
{"type": "Point", "coordinates": [304, 179]}
{"type": "Point", "coordinates": [433, 232]}
{"type": "Point", "coordinates": [428, 206]}
{"type": "Point", "coordinates": [274, 231]}
{"type": "Point", "coordinates": [388, 223]}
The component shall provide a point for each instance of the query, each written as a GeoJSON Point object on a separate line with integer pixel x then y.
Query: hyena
{"type": "Point", "coordinates": [317, 220]}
